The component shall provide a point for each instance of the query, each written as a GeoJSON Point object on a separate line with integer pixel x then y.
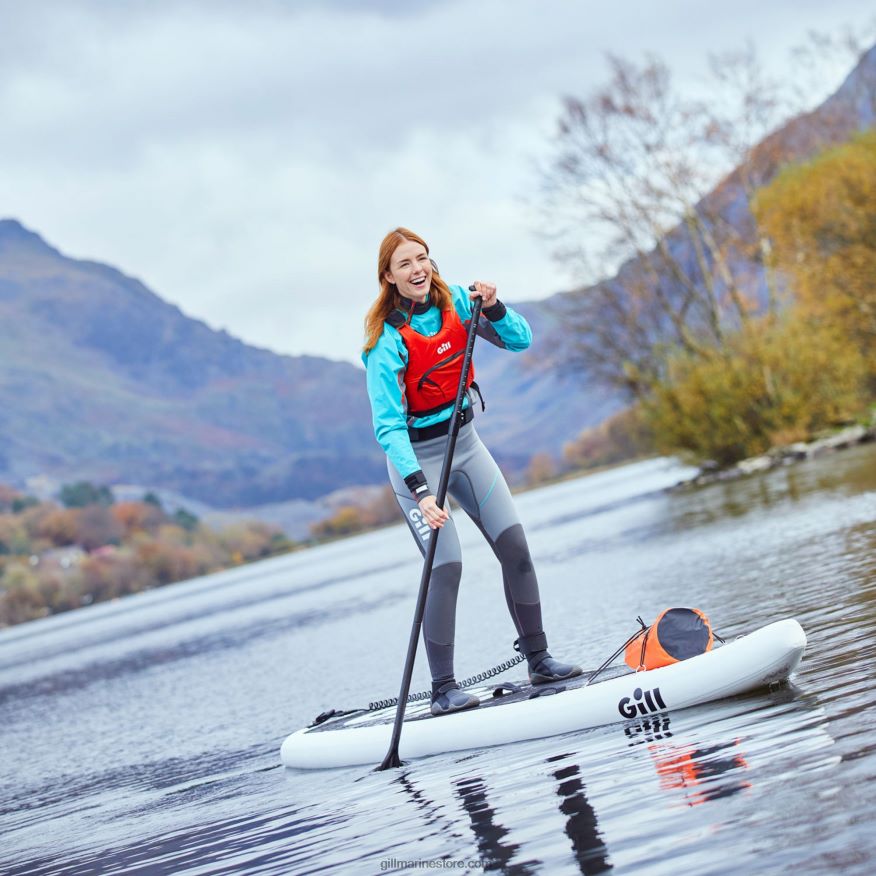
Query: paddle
{"type": "Point", "coordinates": [392, 758]}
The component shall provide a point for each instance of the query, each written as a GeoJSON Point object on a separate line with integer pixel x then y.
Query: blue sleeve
{"type": "Point", "coordinates": [384, 374]}
{"type": "Point", "coordinates": [503, 326]}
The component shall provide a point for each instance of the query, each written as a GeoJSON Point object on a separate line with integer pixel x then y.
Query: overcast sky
{"type": "Point", "coordinates": [244, 159]}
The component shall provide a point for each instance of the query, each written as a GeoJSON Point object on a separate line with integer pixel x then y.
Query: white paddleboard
{"type": "Point", "coordinates": [763, 657]}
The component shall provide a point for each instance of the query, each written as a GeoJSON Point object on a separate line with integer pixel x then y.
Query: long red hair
{"type": "Point", "coordinates": [389, 298]}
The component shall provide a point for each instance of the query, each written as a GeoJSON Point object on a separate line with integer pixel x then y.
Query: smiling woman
{"type": "Point", "coordinates": [416, 335]}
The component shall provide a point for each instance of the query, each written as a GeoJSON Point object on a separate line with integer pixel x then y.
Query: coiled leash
{"type": "Point", "coordinates": [377, 705]}
{"type": "Point", "coordinates": [468, 682]}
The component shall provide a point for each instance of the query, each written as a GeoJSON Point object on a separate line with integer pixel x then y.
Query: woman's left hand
{"type": "Point", "coordinates": [485, 291]}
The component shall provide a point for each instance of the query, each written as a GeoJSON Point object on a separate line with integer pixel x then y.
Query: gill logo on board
{"type": "Point", "coordinates": [444, 347]}
{"type": "Point", "coordinates": [641, 703]}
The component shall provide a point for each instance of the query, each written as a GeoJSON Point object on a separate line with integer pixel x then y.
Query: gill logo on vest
{"type": "Point", "coordinates": [419, 523]}
{"type": "Point", "coordinates": [629, 707]}
{"type": "Point", "coordinates": [444, 347]}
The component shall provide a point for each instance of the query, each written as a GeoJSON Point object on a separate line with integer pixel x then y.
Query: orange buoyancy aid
{"type": "Point", "coordinates": [434, 363]}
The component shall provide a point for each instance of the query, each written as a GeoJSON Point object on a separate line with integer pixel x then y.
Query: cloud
{"type": "Point", "coordinates": [244, 160]}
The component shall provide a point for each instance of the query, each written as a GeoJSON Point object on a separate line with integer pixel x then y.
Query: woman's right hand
{"type": "Point", "coordinates": [433, 515]}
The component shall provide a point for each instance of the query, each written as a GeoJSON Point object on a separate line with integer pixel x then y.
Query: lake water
{"type": "Point", "coordinates": [143, 736]}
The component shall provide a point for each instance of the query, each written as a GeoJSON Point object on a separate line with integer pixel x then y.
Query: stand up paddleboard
{"type": "Point", "coordinates": [766, 656]}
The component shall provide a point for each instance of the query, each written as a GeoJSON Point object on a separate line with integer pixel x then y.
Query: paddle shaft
{"type": "Point", "coordinates": [392, 758]}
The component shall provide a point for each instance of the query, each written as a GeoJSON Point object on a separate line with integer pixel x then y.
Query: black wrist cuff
{"type": "Point", "coordinates": [417, 484]}
{"type": "Point", "coordinates": [495, 312]}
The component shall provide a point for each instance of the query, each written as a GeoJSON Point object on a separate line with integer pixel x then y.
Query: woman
{"type": "Point", "coordinates": [415, 338]}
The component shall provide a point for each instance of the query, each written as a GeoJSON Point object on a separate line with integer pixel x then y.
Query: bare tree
{"type": "Point", "coordinates": [634, 161]}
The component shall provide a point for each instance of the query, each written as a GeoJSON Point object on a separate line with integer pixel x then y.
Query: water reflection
{"type": "Point", "coordinates": [647, 729]}
{"type": "Point", "coordinates": [429, 810]}
{"type": "Point", "coordinates": [688, 767]}
{"type": "Point", "coordinates": [495, 854]}
{"type": "Point", "coordinates": [581, 825]}
{"type": "Point", "coordinates": [696, 759]}
{"type": "Point", "coordinates": [693, 770]}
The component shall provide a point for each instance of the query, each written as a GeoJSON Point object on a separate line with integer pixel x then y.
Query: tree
{"type": "Point", "coordinates": [59, 526]}
{"type": "Point", "coordinates": [22, 503]}
{"type": "Point", "coordinates": [185, 519]}
{"type": "Point", "coordinates": [382, 509]}
{"type": "Point", "coordinates": [821, 217]}
{"type": "Point", "coordinates": [7, 497]}
{"type": "Point", "coordinates": [166, 563]}
{"type": "Point", "coordinates": [541, 468]}
{"type": "Point", "coordinates": [633, 163]}
{"type": "Point", "coordinates": [12, 500]}
{"type": "Point", "coordinates": [622, 437]}
{"type": "Point", "coordinates": [151, 498]}
{"type": "Point", "coordinates": [252, 540]}
{"type": "Point", "coordinates": [133, 546]}
{"type": "Point", "coordinates": [84, 493]}
{"type": "Point", "coordinates": [96, 527]}
{"type": "Point", "coordinates": [138, 516]}
{"type": "Point", "coordinates": [634, 160]}
{"type": "Point", "coordinates": [22, 600]}
{"type": "Point", "coordinates": [345, 521]}
{"type": "Point", "coordinates": [780, 381]}
{"type": "Point", "coordinates": [13, 535]}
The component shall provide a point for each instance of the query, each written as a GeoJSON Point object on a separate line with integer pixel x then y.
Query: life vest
{"type": "Point", "coordinates": [434, 363]}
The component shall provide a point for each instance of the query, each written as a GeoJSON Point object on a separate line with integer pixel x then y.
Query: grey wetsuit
{"type": "Point", "coordinates": [477, 485]}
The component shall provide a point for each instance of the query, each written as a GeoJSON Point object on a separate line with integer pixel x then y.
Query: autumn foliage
{"type": "Point", "coordinates": [821, 219]}
{"type": "Point", "coordinates": [782, 380]}
{"type": "Point", "coordinates": [351, 518]}
{"type": "Point", "coordinates": [53, 559]}
{"type": "Point", "coordinates": [788, 376]}
{"type": "Point", "coordinates": [622, 437]}
{"type": "Point", "coordinates": [744, 311]}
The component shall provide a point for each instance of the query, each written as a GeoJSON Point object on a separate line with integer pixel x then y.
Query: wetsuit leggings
{"type": "Point", "coordinates": [477, 485]}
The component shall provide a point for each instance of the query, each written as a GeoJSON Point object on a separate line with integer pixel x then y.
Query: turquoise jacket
{"type": "Point", "coordinates": [385, 367]}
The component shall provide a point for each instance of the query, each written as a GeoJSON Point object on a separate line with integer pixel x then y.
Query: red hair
{"type": "Point", "coordinates": [389, 297]}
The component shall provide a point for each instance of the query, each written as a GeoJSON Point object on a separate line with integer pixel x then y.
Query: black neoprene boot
{"type": "Point", "coordinates": [447, 698]}
{"type": "Point", "coordinates": [542, 667]}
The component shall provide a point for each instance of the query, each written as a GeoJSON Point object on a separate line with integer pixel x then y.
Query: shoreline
{"type": "Point", "coordinates": [777, 457]}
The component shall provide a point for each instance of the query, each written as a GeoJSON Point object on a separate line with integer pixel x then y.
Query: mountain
{"type": "Point", "coordinates": [101, 379]}
{"type": "Point", "coordinates": [531, 407]}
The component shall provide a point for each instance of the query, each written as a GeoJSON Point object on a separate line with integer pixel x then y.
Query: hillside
{"type": "Point", "coordinates": [101, 379]}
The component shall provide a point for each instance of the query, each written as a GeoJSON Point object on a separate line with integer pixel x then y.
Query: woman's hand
{"type": "Point", "coordinates": [432, 514]}
{"type": "Point", "coordinates": [486, 291]}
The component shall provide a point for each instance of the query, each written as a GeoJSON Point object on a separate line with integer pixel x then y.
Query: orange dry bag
{"type": "Point", "coordinates": [678, 633]}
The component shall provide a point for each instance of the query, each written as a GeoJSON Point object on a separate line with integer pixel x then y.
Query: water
{"type": "Point", "coordinates": [143, 736]}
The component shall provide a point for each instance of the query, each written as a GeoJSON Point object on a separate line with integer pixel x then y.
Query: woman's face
{"type": "Point", "coordinates": [410, 271]}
